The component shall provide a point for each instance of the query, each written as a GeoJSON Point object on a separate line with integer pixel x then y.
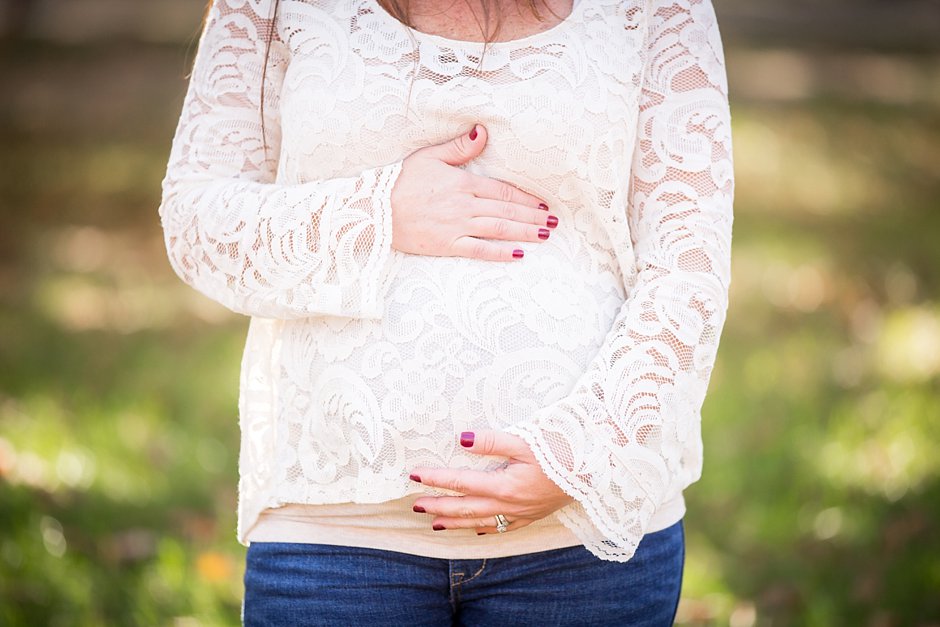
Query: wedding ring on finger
{"type": "Point", "coordinates": [502, 525]}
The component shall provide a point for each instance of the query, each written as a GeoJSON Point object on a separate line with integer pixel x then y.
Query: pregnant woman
{"type": "Point", "coordinates": [485, 249]}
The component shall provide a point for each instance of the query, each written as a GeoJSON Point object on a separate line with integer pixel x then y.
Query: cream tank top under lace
{"type": "Point", "coordinates": [363, 362]}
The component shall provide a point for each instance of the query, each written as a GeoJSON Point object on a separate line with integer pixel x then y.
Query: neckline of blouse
{"type": "Point", "coordinates": [446, 42]}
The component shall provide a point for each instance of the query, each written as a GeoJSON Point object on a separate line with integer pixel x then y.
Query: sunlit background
{"type": "Point", "coordinates": [820, 500]}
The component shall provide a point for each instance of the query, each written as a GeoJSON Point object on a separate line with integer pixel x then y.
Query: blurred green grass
{"type": "Point", "coordinates": [819, 503]}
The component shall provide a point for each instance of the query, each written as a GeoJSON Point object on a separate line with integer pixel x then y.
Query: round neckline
{"type": "Point", "coordinates": [453, 43]}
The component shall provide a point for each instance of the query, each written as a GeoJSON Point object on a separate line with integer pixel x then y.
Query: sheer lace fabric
{"type": "Point", "coordinates": [363, 362]}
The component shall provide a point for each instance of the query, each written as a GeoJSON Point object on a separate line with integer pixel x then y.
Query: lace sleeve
{"type": "Point", "coordinates": [627, 438]}
{"type": "Point", "coordinates": [258, 247]}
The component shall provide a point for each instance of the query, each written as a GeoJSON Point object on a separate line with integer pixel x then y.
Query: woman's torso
{"type": "Point", "coordinates": [352, 404]}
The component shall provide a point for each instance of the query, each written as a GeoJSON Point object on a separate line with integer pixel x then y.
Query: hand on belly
{"type": "Point", "coordinates": [519, 493]}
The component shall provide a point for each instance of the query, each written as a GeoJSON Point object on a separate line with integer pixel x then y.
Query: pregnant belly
{"type": "Point", "coordinates": [463, 344]}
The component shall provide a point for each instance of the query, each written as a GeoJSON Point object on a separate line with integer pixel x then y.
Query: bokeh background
{"type": "Point", "coordinates": [820, 501]}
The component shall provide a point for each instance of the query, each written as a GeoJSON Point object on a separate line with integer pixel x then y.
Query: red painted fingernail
{"type": "Point", "coordinates": [518, 253]}
{"type": "Point", "coordinates": [466, 439]}
{"type": "Point", "coordinates": [473, 133]}
{"type": "Point", "coordinates": [552, 222]}
{"type": "Point", "coordinates": [418, 509]}
{"type": "Point", "coordinates": [438, 527]}
{"type": "Point", "coordinates": [544, 233]}
{"type": "Point", "coordinates": [415, 478]}
{"type": "Point", "coordinates": [543, 206]}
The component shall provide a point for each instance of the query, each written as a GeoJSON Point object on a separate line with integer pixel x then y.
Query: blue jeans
{"type": "Point", "coordinates": [316, 584]}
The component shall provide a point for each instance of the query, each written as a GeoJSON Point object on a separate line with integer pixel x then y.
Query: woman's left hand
{"type": "Point", "coordinates": [521, 492]}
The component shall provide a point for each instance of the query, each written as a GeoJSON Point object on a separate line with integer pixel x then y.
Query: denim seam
{"type": "Point", "coordinates": [476, 574]}
{"type": "Point", "coordinates": [455, 583]}
{"type": "Point", "coordinates": [454, 587]}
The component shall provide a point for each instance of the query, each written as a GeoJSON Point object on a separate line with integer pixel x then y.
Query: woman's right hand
{"type": "Point", "coordinates": [439, 209]}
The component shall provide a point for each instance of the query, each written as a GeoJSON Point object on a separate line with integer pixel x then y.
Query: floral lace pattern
{"type": "Point", "coordinates": [363, 362]}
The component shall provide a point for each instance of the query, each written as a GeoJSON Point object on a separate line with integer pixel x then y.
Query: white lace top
{"type": "Point", "coordinates": [363, 362]}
